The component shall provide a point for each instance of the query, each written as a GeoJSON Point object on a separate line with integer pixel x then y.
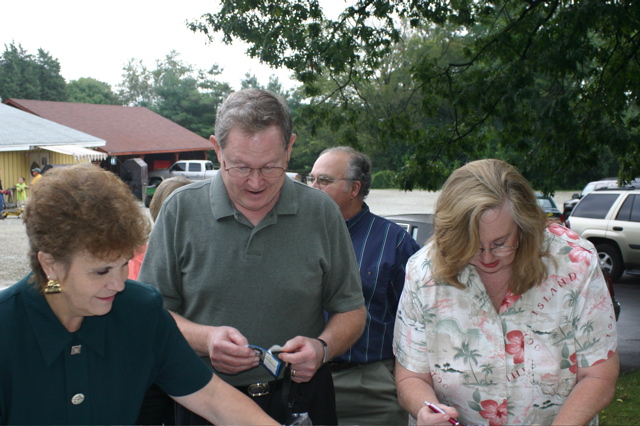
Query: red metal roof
{"type": "Point", "coordinates": [127, 130]}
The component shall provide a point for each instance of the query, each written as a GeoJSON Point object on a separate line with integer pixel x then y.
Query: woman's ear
{"type": "Point", "coordinates": [48, 264]}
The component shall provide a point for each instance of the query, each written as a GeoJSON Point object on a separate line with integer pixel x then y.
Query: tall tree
{"type": "Point", "coordinates": [175, 90]}
{"type": "Point", "coordinates": [91, 91]}
{"type": "Point", "coordinates": [25, 76]}
{"type": "Point", "coordinates": [550, 85]}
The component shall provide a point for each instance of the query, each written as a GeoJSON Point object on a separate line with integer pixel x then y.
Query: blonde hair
{"type": "Point", "coordinates": [470, 191]}
{"type": "Point", "coordinates": [164, 189]}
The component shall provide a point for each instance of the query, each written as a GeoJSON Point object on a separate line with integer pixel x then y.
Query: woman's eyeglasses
{"type": "Point", "coordinates": [499, 251]}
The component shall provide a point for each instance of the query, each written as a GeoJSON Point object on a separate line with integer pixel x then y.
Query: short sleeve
{"type": "Point", "coordinates": [180, 371]}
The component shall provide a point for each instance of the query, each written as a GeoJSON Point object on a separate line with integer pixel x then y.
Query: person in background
{"type": "Point", "coordinates": [363, 376]}
{"type": "Point", "coordinates": [504, 318]}
{"type": "Point", "coordinates": [35, 172]}
{"type": "Point", "coordinates": [164, 189]}
{"type": "Point", "coordinates": [2, 193]}
{"type": "Point", "coordinates": [21, 192]}
{"type": "Point", "coordinates": [252, 257]}
{"type": "Point", "coordinates": [81, 344]}
{"type": "Point", "coordinates": [157, 407]}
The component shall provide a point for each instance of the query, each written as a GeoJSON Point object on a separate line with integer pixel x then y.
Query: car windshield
{"type": "Point", "coordinates": [545, 203]}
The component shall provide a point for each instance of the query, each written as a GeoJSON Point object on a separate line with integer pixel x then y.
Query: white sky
{"type": "Point", "coordinates": [96, 39]}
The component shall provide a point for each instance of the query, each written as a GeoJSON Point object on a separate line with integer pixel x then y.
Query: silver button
{"type": "Point", "coordinates": [77, 399]}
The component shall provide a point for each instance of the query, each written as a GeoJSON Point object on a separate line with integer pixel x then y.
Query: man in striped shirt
{"type": "Point", "coordinates": [363, 376]}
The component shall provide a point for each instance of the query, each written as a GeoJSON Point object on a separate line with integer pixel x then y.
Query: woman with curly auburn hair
{"type": "Point", "coordinates": [81, 344]}
{"type": "Point", "coordinates": [504, 318]}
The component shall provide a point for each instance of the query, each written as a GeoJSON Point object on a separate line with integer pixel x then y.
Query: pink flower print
{"type": "Point", "coordinates": [609, 355]}
{"type": "Point", "coordinates": [516, 346]}
{"type": "Point", "coordinates": [559, 230]}
{"type": "Point", "coordinates": [579, 254]}
{"type": "Point", "coordinates": [496, 414]}
{"type": "Point", "coordinates": [574, 363]}
{"type": "Point", "coordinates": [508, 301]}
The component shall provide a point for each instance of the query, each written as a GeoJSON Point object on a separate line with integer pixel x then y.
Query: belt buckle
{"type": "Point", "coordinates": [258, 389]}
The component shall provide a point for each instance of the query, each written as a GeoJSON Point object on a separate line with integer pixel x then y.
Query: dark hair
{"type": "Point", "coordinates": [359, 167]}
{"type": "Point", "coordinates": [251, 111]}
{"type": "Point", "coordinates": [82, 208]}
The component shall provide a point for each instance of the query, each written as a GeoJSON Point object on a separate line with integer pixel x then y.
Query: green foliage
{"type": "Point", "coordinates": [91, 91]}
{"type": "Point", "coordinates": [625, 407]}
{"type": "Point", "coordinates": [550, 86]}
{"type": "Point", "coordinates": [25, 76]}
{"type": "Point", "coordinates": [176, 91]}
{"type": "Point", "coordinates": [384, 179]}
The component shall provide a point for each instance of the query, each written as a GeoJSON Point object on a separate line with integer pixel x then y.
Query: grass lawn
{"type": "Point", "coordinates": [625, 407]}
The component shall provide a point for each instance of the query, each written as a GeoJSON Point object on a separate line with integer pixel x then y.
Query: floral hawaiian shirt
{"type": "Point", "coordinates": [517, 365]}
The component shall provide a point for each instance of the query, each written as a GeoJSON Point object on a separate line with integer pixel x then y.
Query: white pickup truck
{"type": "Point", "coordinates": [191, 169]}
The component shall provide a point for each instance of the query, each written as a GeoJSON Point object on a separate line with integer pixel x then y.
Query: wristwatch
{"type": "Point", "coordinates": [325, 358]}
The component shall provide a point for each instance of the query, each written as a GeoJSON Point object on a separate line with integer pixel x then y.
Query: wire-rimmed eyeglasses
{"type": "Point", "coordinates": [499, 251]}
{"type": "Point", "coordinates": [243, 172]}
{"type": "Point", "coordinates": [322, 180]}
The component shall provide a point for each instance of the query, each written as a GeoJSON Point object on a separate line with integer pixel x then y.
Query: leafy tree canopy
{"type": "Point", "coordinates": [91, 91]}
{"type": "Point", "coordinates": [550, 86]}
{"type": "Point", "coordinates": [25, 76]}
{"type": "Point", "coordinates": [176, 91]}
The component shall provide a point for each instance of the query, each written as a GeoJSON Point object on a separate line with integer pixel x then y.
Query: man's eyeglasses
{"type": "Point", "coordinates": [322, 180]}
{"type": "Point", "coordinates": [243, 172]}
{"type": "Point", "coordinates": [499, 251]}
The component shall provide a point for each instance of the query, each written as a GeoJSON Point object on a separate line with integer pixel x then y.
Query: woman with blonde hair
{"type": "Point", "coordinates": [81, 344]}
{"type": "Point", "coordinates": [504, 318]}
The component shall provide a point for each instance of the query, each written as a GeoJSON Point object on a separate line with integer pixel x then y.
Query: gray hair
{"type": "Point", "coordinates": [359, 167]}
{"type": "Point", "coordinates": [251, 111]}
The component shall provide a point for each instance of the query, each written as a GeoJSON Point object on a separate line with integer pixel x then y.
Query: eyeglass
{"type": "Point", "coordinates": [243, 172]}
{"type": "Point", "coordinates": [499, 251]}
{"type": "Point", "coordinates": [322, 180]}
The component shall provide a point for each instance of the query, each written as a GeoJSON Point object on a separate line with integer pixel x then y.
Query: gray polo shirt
{"type": "Point", "coordinates": [272, 281]}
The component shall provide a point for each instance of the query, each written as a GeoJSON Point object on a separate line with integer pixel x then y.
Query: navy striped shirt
{"type": "Point", "coordinates": [382, 248]}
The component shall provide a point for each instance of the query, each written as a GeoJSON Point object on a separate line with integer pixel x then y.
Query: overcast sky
{"type": "Point", "coordinates": [96, 39]}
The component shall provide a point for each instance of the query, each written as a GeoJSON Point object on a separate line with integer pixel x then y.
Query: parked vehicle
{"type": "Point", "coordinates": [610, 219]}
{"type": "Point", "coordinates": [191, 169]}
{"type": "Point", "coordinates": [591, 186]}
{"type": "Point", "coordinates": [549, 207]}
{"type": "Point", "coordinates": [418, 225]}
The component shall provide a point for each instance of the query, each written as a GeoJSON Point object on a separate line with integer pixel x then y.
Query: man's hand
{"type": "Point", "coordinates": [305, 356]}
{"type": "Point", "coordinates": [228, 351]}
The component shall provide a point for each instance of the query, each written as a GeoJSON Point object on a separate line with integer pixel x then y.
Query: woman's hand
{"type": "Point", "coordinates": [426, 416]}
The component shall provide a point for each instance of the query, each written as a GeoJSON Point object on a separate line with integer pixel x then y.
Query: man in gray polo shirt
{"type": "Point", "coordinates": [251, 257]}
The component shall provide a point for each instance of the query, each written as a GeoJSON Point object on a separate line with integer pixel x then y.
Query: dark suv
{"type": "Point", "coordinates": [610, 219]}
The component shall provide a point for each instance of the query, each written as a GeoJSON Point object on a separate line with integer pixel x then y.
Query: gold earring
{"type": "Point", "coordinates": [53, 287]}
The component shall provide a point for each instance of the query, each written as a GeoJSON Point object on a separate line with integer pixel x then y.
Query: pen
{"type": "Point", "coordinates": [437, 409]}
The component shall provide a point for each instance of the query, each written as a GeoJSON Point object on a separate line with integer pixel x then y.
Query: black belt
{"type": "Point", "coordinates": [260, 389]}
{"type": "Point", "coordinates": [339, 366]}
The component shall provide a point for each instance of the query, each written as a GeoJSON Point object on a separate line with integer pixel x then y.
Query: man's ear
{"type": "Point", "coordinates": [216, 148]}
{"type": "Point", "coordinates": [355, 188]}
{"type": "Point", "coordinates": [290, 147]}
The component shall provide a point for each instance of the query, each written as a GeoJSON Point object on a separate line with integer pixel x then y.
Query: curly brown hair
{"type": "Point", "coordinates": [82, 208]}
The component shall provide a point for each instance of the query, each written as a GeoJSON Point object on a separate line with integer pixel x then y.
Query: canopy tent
{"type": "Point", "coordinates": [78, 152]}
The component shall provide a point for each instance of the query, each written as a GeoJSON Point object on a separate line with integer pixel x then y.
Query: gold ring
{"type": "Point", "coordinates": [293, 373]}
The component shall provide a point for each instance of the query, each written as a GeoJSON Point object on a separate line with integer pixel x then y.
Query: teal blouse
{"type": "Point", "coordinates": [98, 374]}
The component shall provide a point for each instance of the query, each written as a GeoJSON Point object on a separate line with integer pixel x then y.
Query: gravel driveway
{"type": "Point", "coordinates": [14, 246]}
